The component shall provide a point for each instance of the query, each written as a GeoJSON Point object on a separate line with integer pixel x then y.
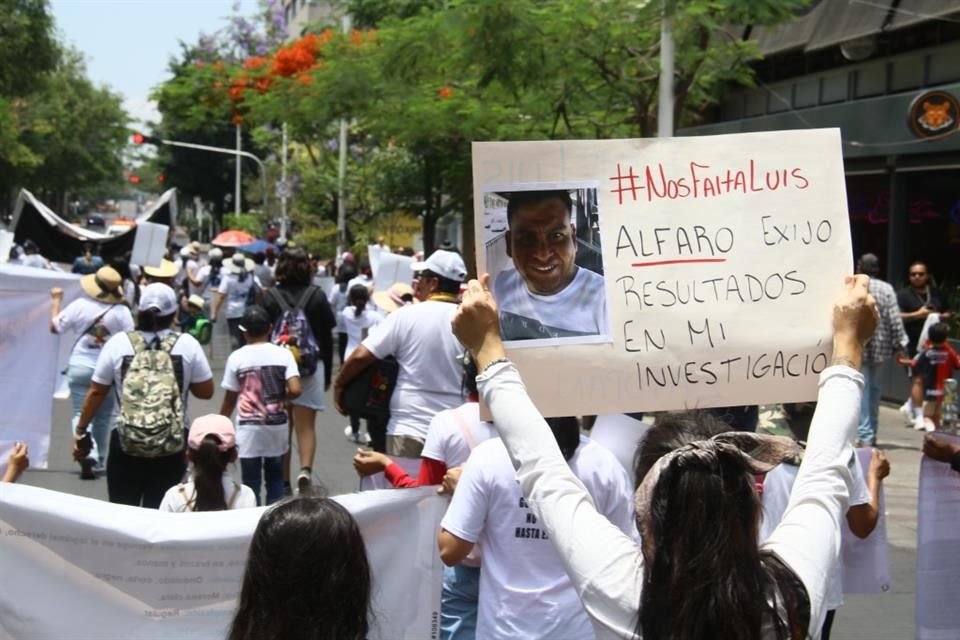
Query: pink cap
{"type": "Point", "coordinates": [216, 425]}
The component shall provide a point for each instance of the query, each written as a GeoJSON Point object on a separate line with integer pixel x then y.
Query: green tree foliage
{"type": "Point", "coordinates": [420, 80]}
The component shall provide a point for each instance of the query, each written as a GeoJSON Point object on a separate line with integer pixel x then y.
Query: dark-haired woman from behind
{"type": "Point", "coordinates": [699, 572]}
{"type": "Point", "coordinates": [212, 446]}
{"type": "Point", "coordinates": [307, 575]}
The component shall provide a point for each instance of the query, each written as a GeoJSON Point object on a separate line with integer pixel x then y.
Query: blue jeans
{"type": "Point", "coordinates": [78, 376]}
{"type": "Point", "coordinates": [869, 404]}
{"type": "Point", "coordinates": [458, 603]}
{"type": "Point", "coordinates": [272, 476]}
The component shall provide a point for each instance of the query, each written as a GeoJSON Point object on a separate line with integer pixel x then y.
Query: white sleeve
{"type": "Point", "coordinates": [434, 446]}
{"type": "Point", "coordinates": [467, 513]}
{"type": "Point", "coordinates": [808, 537]}
{"type": "Point", "coordinates": [618, 500]}
{"type": "Point", "coordinates": [169, 500]}
{"type": "Point", "coordinates": [230, 382]}
{"type": "Point", "coordinates": [224, 287]}
{"type": "Point", "coordinates": [105, 370]}
{"type": "Point", "coordinates": [383, 342]}
{"type": "Point", "coordinates": [67, 319]}
{"type": "Point", "coordinates": [293, 370]}
{"type": "Point", "coordinates": [859, 491]}
{"type": "Point", "coordinates": [199, 367]}
{"type": "Point", "coordinates": [603, 563]}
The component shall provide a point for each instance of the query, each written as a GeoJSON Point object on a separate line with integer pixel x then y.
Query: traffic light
{"type": "Point", "coordinates": [139, 138]}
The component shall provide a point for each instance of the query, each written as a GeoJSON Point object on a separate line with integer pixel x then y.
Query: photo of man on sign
{"type": "Point", "coordinates": [546, 265]}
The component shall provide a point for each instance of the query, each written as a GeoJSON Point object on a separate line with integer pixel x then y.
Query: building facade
{"type": "Point", "coordinates": [887, 73]}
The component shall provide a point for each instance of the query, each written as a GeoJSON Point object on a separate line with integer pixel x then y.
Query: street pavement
{"type": "Point", "coordinates": [887, 616]}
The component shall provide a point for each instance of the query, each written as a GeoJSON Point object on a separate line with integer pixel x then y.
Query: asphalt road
{"type": "Point", "coordinates": [888, 616]}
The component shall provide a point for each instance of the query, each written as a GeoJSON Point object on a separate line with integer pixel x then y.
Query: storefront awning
{"type": "Point", "coordinates": [910, 12]}
{"type": "Point", "coordinates": [789, 35]}
{"type": "Point", "coordinates": [844, 20]}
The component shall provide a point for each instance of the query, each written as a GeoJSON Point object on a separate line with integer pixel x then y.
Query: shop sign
{"type": "Point", "coordinates": [934, 114]}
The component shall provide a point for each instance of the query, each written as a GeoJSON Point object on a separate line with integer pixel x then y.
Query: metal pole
{"type": "Point", "coordinates": [283, 180]}
{"type": "Point", "coordinates": [665, 103]}
{"type": "Point", "coordinates": [236, 185]}
{"type": "Point", "coordinates": [342, 174]}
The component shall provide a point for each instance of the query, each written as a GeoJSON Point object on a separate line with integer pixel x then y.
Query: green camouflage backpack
{"type": "Point", "coordinates": [151, 408]}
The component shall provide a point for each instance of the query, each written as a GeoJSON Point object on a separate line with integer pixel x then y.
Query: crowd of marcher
{"type": "Point", "coordinates": [710, 533]}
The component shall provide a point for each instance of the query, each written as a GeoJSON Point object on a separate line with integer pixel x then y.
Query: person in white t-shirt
{"type": "Point", "coordinates": [262, 377]}
{"type": "Point", "coordinates": [235, 291]}
{"type": "Point", "coordinates": [546, 295]}
{"type": "Point", "coordinates": [524, 589]}
{"type": "Point", "coordinates": [210, 275]}
{"type": "Point", "coordinates": [132, 479]}
{"type": "Point", "coordinates": [452, 435]}
{"type": "Point", "coordinates": [212, 446]}
{"type": "Point", "coordinates": [95, 317]}
{"type": "Point", "coordinates": [420, 338]}
{"type": "Point", "coordinates": [186, 279]}
{"type": "Point", "coordinates": [863, 514]}
{"type": "Point", "coordinates": [357, 319]}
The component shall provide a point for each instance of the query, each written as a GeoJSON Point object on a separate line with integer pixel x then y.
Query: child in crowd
{"type": "Point", "coordinates": [263, 377]}
{"type": "Point", "coordinates": [194, 321]}
{"type": "Point", "coordinates": [357, 318]}
{"type": "Point", "coordinates": [211, 447]}
{"type": "Point", "coordinates": [307, 575]}
{"type": "Point", "coordinates": [931, 368]}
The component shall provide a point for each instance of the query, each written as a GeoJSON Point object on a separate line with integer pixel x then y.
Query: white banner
{"type": "Point", "coordinates": [31, 358]}
{"type": "Point", "coordinates": [82, 568]}
{"type": "Point", "coordinates": [938, 551]}
{"type": "Point", "coordinates": [672, 272]}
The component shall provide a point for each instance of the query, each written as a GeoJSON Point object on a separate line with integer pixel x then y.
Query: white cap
{"type": "Point", "coordinates": [160, 297]}
{"type": "Point", "coordinates": [443, 263]}
{"type": "Point", "coordinates": [216, 253]}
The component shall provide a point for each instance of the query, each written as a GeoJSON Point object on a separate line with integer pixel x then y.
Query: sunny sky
{"type": "Point", "coordinates": [128, 43]}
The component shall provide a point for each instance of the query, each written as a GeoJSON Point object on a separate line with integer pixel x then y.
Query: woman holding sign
{"type": "Point", "coordinates": [699, 570]}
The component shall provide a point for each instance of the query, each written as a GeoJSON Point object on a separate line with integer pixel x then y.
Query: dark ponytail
{"type": "Point", "coordinates": [704, 575]}
{"type": "Point", "coordinates": [567, 433]}
{"type": "Point", "coordinates": [358, 297]}
{"type": "Point", "coordinates": [209, 464]}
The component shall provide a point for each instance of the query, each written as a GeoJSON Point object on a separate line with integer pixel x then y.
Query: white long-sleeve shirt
{"type": "Point", "coordinates": [606, 565]}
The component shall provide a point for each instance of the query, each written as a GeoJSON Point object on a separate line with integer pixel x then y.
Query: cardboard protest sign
{"type": "Point", "coordinates": [664, 273]}
{"type": "Point", "coordinates": [150, 244]}
{"type": "Point", "coordinates": [392, 268]}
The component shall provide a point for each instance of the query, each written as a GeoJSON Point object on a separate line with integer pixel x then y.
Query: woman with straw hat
{"type": "Point", "coordinates": [95, 316]}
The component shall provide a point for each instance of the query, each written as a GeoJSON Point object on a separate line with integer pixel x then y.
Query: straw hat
{"type": "Point", "coordinates": [106, 285]}
{"type": "Point", "coordinates": [167, 269]}
{"type": "Point", "coordinates": [240, 263]}
{"type": "Point", "coordinates": [392, 299]}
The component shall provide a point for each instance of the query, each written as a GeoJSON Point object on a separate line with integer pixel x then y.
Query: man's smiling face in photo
{"type": "Point", "coordinates": [542, 243]}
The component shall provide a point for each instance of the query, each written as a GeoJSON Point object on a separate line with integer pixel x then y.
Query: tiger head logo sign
{"type": "Point", "coordinates": [934, 114]}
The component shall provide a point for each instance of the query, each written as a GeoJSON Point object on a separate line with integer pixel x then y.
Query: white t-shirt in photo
{"type": "Point", "coordinates": [354, 325]}
{"type": "Point", "coordinates": [189, 361]}
{"type": "Point", "coordinates": [454, 433]}
{"type": "Point", "coordinates": [258, 373]}
{"type": "Point", "coordinates": [777, 486]}
{"type": "Point", "coordinates": [421, 339]}
{"type": "Point", "coordinates": [579, 309]}
{"type": "Point", "coordinates": [181, 498]}
{"type": "Point", "coordinates": [98, 320]}
{"type": "Point", "coordinates": [525, 591]}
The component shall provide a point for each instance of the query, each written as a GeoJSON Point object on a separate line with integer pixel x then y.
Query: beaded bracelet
{"type": "Point", "coordinates": [490, 364]}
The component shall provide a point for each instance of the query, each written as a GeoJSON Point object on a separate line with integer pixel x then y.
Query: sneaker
{"type": "Point", "coordinates": [86, 469]}
{"type": "Point", "coordinates": [348, 432]}
{"type": "Point", "coordinates": [304, 480]}
{"type": "Point", "coordinates": [365, 438]}
{"type": "Point", "coordinates": [918, 424]}
{"type": "Point", "coordinates": [928, 425]}
{"type": "Point", "coordinates": [907, 412]}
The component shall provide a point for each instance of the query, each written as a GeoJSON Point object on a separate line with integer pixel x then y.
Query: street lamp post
{"type": "Point", "coordinates": [140, 139]}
